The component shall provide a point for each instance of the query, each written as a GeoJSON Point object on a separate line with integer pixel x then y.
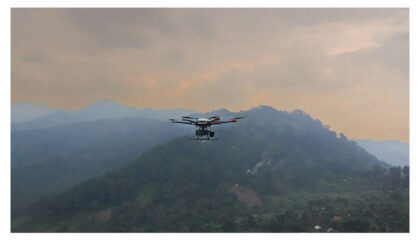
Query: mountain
{"type": "Point", "coordinates": [105, 109]}
{"type": "Point", "coordinates": [273, 171]}
{"type": "Point", "coordinates": [25, 111]}
{"type": "Point", "coordinates": [45, 161]}
{"type": "Point", "coordinates": [392, 152]}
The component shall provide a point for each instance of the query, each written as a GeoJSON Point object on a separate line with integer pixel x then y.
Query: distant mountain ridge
{"type": "Point", "coordinates": [390, 151]}
{"type": "Point", "coordinates": [26, 111]}
{"type": "Point", "coordinates": [40, 116]}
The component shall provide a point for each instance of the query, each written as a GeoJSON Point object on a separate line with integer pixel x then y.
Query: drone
{"type": "Point", "coordinates": [203, 125]}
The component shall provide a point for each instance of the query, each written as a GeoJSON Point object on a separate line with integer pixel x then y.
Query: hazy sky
{"type": "Point", "coordinates": [346, 67]}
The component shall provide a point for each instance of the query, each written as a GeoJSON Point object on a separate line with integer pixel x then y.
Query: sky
{"type": "Point", "coordinates": [348, 68]}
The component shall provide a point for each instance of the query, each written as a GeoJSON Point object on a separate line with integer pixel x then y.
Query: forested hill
{"type": "Point", "coordinates": [47, 161]}
{"type": "Point", "coordinates": [272, 171]}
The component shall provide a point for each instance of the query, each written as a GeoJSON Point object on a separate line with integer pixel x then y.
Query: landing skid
{"type": "Point", "coordinates": [203, 139]}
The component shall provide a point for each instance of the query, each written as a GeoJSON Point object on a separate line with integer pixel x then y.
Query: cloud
{"type": "Point", "coordinates": [333, 63]}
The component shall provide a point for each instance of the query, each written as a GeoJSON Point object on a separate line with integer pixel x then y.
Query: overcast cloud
{"type": "Point", "coordinates": [347, 67]}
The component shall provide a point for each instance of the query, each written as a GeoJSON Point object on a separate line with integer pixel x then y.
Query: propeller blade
{"type": "Point", "coordinates": [215, 118]}
{"type": "Point", "coordinates": [238, 117]}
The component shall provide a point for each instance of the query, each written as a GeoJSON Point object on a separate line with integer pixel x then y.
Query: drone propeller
{"type": "Point", "coordinates": [238, 118]}
{"type": "Point", "coordinates": [186, 117]}
{"type": "Point", "coordinates": [215, 118]}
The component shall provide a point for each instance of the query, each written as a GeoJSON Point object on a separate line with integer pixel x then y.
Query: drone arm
{"type": "Point", "coordinates": [221, 122]}
{"type": "Point", "coordinates": [174, 121]}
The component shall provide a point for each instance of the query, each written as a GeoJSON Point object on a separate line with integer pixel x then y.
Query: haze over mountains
{"type": "Point", "coordinates": [52, 159]}
{"type": "Point", "coordinates": [56, 150]}
{"type": "Point", "coordinates": [26, 116]}
{"type": "Point", "coordinates": [107, 167]}
{"type": "Point", "coordinates": [40, 116]}
{"type": "Point", "coordinates": [390, 151]}
{"type": "Point", "coordinates": [25, 111]}
{"type": "Point", "coordinates": [257, 168]}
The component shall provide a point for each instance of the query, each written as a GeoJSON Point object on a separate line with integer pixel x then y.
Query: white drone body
{"type": "Point", "coordinates": [203, 125]}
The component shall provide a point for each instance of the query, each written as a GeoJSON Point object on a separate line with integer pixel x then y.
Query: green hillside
{"type": "Point", "coordinates": [272, 172]}
{"type": "Point", "coordinates": [47, 161]}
